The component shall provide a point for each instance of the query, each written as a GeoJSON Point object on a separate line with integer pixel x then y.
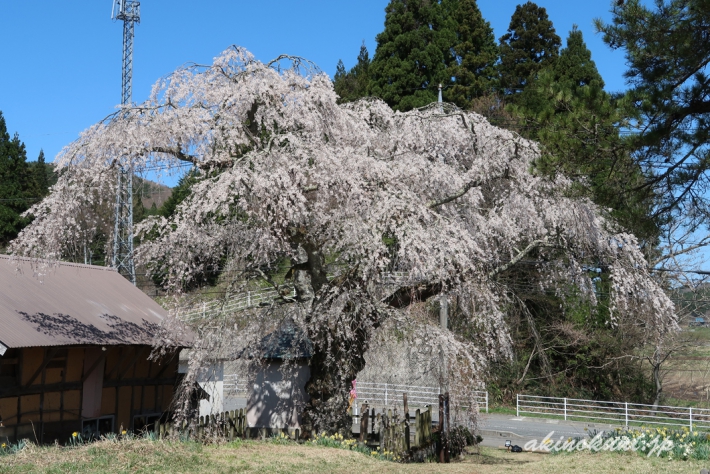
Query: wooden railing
{"type": "Point", "coordinates": [229, 424]}
{"type": "Point", "coordinates": [405, 435]}
{"type": "Point", "coordinates": [392, 431]}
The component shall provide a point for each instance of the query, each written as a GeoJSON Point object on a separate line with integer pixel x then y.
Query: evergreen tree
{"type": "Point", "coordinates": [15, 181]}
{"type": "Point", "coordinates": [179, 193]}
{"type": "Point", "coordinates": [354, 84]}
{"type": "Point", "coordinates": [567, 110]}
{"type": "Point", "coordinates": [412, 54]}
{"type": "Point", "coordinates": [667, 53]}
{"type": "Point", "coordinates": [529, 45]}
{"type": "Point", "coordinates": [475, 54]}
{"type": "Point", "coordinates": [575, 63]}
{"type": "Point", "coordinates": [339, 80]}
{"type": "Point", "coordinates": [42, 177]}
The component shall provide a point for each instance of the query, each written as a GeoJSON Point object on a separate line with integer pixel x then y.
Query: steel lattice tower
{"type": "Point", "coordinates": [127, 11]}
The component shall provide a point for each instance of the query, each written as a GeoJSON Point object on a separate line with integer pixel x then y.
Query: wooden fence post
{"type": "Point", "coordinates": [381, 430]}
{"type": "Point", "coordinates": [442, 418]}
{"type": "Point", "coordinates": [390, 434]}
{"type": "Point", "coordinates": [364, 412]}
{"type": "Point", "coordinates": [373, 419]}
{"type": "Point", "coordinates": [407, 441]}
{"type": "Point", "coordinates": [447, 453]}
{"type": "Point", "coordinates": [417, 428]}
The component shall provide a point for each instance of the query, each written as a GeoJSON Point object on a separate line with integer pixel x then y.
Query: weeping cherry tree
{"type": "Point", "coordinates": [346, 194]}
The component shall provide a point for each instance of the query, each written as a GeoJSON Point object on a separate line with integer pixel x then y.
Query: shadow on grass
{"type": "Point", "coordinates": [492, 456]}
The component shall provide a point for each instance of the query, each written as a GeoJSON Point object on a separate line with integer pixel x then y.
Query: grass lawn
{"type": "Point", "coordinates": [251, 456]}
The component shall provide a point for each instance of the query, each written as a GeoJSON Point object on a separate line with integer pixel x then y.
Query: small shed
{"type": "Point", "coordinates": [271, 395]}
{"type": "Point", "coordinates": [74, 353]}
{"type": "Point", "coordinates": [278, 393]}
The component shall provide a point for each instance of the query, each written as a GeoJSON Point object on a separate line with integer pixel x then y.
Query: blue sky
{"type": "Point", "coordinates": [61, 61]}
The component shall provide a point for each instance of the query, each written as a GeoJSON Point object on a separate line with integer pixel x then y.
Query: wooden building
{"type": "Point", "coordinates": [74, 354]}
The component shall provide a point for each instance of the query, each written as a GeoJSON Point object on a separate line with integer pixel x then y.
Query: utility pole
{"type": "Point", "coordinates": [127, 11]}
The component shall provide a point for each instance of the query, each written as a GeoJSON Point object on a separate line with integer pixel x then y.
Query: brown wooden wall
{"type": "Point", "coordinates": [46, 393]}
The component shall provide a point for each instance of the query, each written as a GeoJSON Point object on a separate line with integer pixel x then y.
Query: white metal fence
{"type": "Point", "coordinates": [251, 299]}
{"type": "Point", "coordinates": [614, 412]}
{"type": "Point", "coordinates": [239, 302]}
{"type": "Point", "coordinates": [388, 394]}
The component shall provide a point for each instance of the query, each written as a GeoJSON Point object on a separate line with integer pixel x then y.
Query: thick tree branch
{"type": "Point", "coordinates": [438, 202]}
{"type": "Point", "coordinates": [177, 153]}
{"type": "Point", "coordinates": [533, 245]}
{"type": "Point", "coordinates": [527, 366]}
{"type": "Point", "coordinates": [407, 295]}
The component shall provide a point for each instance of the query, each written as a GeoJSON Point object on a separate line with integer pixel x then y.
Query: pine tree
{"type": "Point", "coordinates": [14, 183]}
{"type": "Point", "coordinates": [529, 45]}
{"type": "Point", "coordinates": [475, 54]}
{"type": "Point", "coordinates": [667, 52]}
{"type": "Point", "coordinates": [412, 54]}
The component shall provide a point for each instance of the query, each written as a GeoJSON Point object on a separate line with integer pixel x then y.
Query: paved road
{"type": "Point", "coordinates": [495, 429]}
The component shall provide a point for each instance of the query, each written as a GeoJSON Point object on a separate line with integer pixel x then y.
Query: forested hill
{"type": "Point", "coordinates": [22, 183]}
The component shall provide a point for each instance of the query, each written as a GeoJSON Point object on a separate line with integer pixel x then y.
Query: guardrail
{"type": "Point", "coordinates": [249, 299]}
{"type": "Point", "coordinates": [615, 412]}
{"type": "Point", "coordinates": [252, 299]}
{"type": "Point", "coordinates": [383, 394]}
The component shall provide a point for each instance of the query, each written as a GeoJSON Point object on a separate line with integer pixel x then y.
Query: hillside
{"type": "Point", "coordinates": [151, 192]}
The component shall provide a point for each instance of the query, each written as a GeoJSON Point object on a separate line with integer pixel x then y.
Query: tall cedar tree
{"type": "Point", "coordinates": [668, 52]}
{"type": "Point", "coordinates": [352, 85]}
{"type": "Point", "coordinates": [529, 45]}
{"type": "Point", "coordinates": [15, 182]}
{"type": "Point", "coordinates": [42, 176]}
{"type": "Point", "coordinates": [575, 64]}
{"type": "Point", "coordinates": [427, 43]}
{"type": "Point", "coordinates": [475, 54]}
{"type": "Point", "coordinates": [412, 54]}
{"type": "Point", "coordinates": [567, 110]}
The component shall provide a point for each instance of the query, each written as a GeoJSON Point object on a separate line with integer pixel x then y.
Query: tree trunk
{"type": "Point", "coordinates": [336, 358]}
{"type": "Point", "coordinates": [659, 386]}
{"type": "Point", "coordinates": [328, 389]}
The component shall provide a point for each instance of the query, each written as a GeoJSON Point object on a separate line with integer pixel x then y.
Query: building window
{"type": "Point", "coordinates": [94, 428]}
